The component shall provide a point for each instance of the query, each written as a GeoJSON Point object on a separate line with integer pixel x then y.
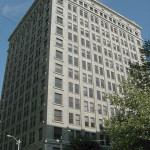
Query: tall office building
{"type": "Point", "coordinates": [63, 56]}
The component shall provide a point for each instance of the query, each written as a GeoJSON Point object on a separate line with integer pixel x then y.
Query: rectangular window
{"type": "Point", "coordinates": [70, 59]}
{"type": "Point", "coordinates": [98, 95]}
{"type": "Point", "coordinates": [58, 83]}
{"type": "Point", "coordinates": [76, 75]}
{"type": "Point", "coordinates": [89, 66]}
{"type": "Point", "coordinates": [90, 92]}
{"type": "Point", "coordinates": [57, 115]}
{"type": "Point", "coordinates": [71, 118]}
{"type": "Point", "coordinates": [69, 36]}
{"type": "Point", "coordinates": [58, 98]}
{"type": "Point", "coordinates": [109, 85]}
{"type": "Point", "coordinates": [89, 79]}
{"type": "Point", "coordinates": [71, 102]}
{"type": "Point", "coordinates": [59, 42]}
{"type": "Point", "coordinates": [76, 88]}
{"type": "Point", "coordinates": [70, 73]}
{"type": "Point", "coordinates": [59, 55]}
{"type": "Point", "coordinates": [92, 122]}
{"type": "Point", "coordinates": [77, 103]}
{"type": "Point", "coordinates": [75, 61]}
{"type": "Point", "coordinates": [86, 121]}
{"type": "Point", "coordinates": [104, 110]}
{"type": "Point", "coordinates": [59, 20]}
{"type": "Point", "coordinates": [102, 83]}
{"type": "Point", "coordinates": [101, 71]}
{"type": "Point", "coordinates": [77, 119]}
{"type": "Point", "coordinates": [60, 2]}
{"type": "Point", "coordinates": [85, 91]}
{"type": "Point", "coordinates": [97, 82]}
{"type": "Point", "coordinates": [91, 107]}
{"type": "Point", "coordinates": [58, 68]}
{"type": "Point", "coordinates": [57, 132]}
{"type": "Point", "coordinates": [83, 64]}
{"type": "Point", "coordinates": [70, 87]}
{"type": "Point", "coordinates": [59, 10]}
{"type": "Point", "coordinates": [99, 109]}
{"type": "Point", "coordinates": [59, 31]}
{"type": "Point", "coordinates": [84, 77]}
{"type": "Point", "coordinates": [85, 106]}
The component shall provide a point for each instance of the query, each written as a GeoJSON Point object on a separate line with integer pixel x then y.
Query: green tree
{"type": "Point", "coordinates": [84, 143]}
{"type": "Point", "coordinates": [132, 124]}
{"type": "Point", "coordinates": [130, 129]}
{"type": "Point", "coordinates": [140, 72]}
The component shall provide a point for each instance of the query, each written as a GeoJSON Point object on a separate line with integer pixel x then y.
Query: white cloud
{"type": "Point", "coordinates": [12, 11]}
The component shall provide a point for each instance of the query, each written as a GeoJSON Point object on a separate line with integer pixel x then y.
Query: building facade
{"type": "Point", "coordinates": [63, 57]}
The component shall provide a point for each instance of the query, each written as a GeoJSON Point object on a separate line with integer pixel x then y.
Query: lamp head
{"type": "Point", "coordinates": [9, 136]}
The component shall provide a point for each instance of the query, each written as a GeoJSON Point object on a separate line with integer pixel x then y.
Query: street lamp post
{"type": "Point", "coordinates": [17, 141]}
{"type": "Point", "coordinates": [61, 139]}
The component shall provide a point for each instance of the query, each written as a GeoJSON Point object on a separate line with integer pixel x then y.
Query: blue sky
{"type": "Point", "coordinates": [11, 11]}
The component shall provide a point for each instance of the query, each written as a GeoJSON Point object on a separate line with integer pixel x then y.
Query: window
{"type": "Point", "coordinates": [90, 92]}
{"type": "Point", "coordinates": [70, 87]}
{"type": "Point", "coordinates": [103, 96]}
{"type": "Point", "coordinates": [85, 106]}
{"type": "Point", "coordinates": [75, 61]}
{"type": "Point", "coordinates": [59, 55]}
{"type": "Point", "coordinates": [58, 83]}
{"type": "Point", "coordinates": [83, 64]}
{"type": "Point", "coordinates": [104, 110]}
{"type": "Point", "coordinates": [59, 10]}
{"type": "Point", "coordinates": [86, 121]}
{"type": "Point", "coordinates": [57, 132]}
{"type": "Point", "coordinates": [76, 88]}
{"type": "Point", "coordinates": [109, 85]}
{"type": "Point", "coordinates": [89, 79]}
{"type": "Point", "coordinates": [98, 95]}
{"type": "Point", "coordinates": [69, 36]}
{"type": "Point", "coordinates": [60, 2]}
{"type": "Point", "coordinates": [89, 66]}
{"type": "Point", "coordinates": [58, 98]}
{"type": "Point", "coordinates": [70, 73]}
{"type": "Point", "coordinates": [77, 117]}
{"type": "Point", "coordinates": [74, 9]}
{"type": "Point", "coordinates": [85, 91]}
{"type": "Point", "coordinates": [91, 107]}
{"type": "Point", "coordinates": [84, 77]}
{"type": "Point", "coordinates": [71, 118]}
{"type": "Point", "coordinates": [59, 42]}
{"type": "Point", "coordinates": [59, 31]}
{"type": "Point", "coordinates": [100, 124]}
{"type": "Point", "coordinates": [76, 75]}
{"type": "Point", "coordinates": [99, 109]}
{"type": "Point", "coordinates": [70, 47]}
{"type": "Point", "coordinates": [57, 115]}
{"type": "Point", "coordinates": [58, 68]}
{"type": "Point", "coordinates": [70, 60]}
{"type": "Point", "coordinates": [69, 25]}
{"type": "Point", "coordinates": [97, 82]}
{"type": "Point", "coordinates": [59, 20]}
{"type": "Point", "coordinates": [92, 122]}
{"type": "Point", "coordinates": [102, 83]}
{"type": "Point", "coordinates": [71, 102]}
{"type": "Point", "coordinates": [77, 103]}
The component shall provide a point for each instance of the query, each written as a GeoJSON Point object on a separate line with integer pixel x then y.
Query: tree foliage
{"type": "Point", "coordinates": [84, 143]}
{"type": "Point", "coordinates": [140, 72]}
{"type": "Point", "coordinates": [130, 129]}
